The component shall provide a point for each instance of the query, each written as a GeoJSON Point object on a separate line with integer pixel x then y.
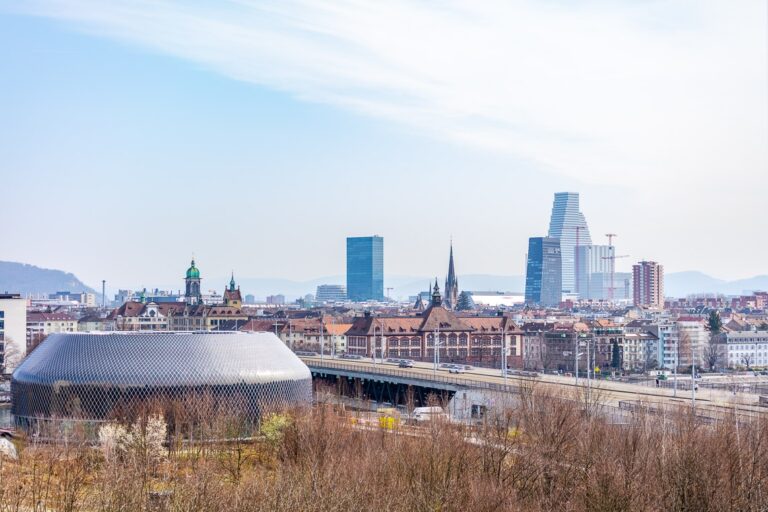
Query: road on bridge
{"type": "Point", "coordinates": [710, 402]}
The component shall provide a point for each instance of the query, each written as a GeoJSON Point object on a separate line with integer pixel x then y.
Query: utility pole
{"type": "Point", "coordinates": [589, 368]}
{"type": "Point", "coordinates": [693, 373]}
{"type": "Point", "coordinates": [322, 340]}
{"type": "Point", "coordinates": [504, 349]}
{"type": "Point", "coordinates": [373, 345]}
{"type": "Point", "coordinates": [435, 353]}
{"type": "Point", "coordinates": [576, 355]}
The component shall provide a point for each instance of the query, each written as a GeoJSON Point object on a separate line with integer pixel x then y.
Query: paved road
{"type": "Point", "coordinates": [709, 402]}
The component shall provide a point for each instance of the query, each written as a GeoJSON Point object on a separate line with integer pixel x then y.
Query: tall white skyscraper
{"type": "Point", "coordinates": [568, 224]}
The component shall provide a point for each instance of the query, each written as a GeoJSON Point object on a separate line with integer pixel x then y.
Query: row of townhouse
{"type": "Point", "coordinates": [321, 334]}
{"type": "Point", "coordinates": [564, 345]}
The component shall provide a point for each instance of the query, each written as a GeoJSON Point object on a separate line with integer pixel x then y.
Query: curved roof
{"type": "Point", "coordinates": [161, 359]}
{"type": "Point", "coordinates": [192, 271]}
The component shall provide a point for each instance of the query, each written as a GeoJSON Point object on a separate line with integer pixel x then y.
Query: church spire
{"type": "Point", "coordinates": [232, 282]}
{"type": "Point", "coordinates": [451, 283]}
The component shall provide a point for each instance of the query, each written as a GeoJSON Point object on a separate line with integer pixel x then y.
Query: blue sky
{"type": "Point", "coordinates": [258, 135]}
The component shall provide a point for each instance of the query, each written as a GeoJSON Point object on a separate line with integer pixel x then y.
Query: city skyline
{"type": "Point", "coordinates": [121, 131]}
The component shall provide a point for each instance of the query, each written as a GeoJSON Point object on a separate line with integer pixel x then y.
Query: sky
{"type": "Point", "coordinates": [257, 135]}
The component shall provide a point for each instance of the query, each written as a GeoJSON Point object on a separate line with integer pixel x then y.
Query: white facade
{"type": "Point", "coordinates": [13, 331]}
{"type": "Point", "coordinates": [592, 264]}
{"type": "Point", "coordinates": [682, 342]}
{"type": "Point", "coordinates": [746, 349]}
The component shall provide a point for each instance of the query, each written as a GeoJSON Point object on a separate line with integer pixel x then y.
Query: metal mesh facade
{"type": "Point", "coordinates": [93, 376]}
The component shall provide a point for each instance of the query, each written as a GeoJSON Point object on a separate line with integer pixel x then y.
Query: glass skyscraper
{"type": "Point", "coordinates": [365, 268]}
{"type": "Point", "coordinates": [543, 276]}
{"type": "Point", "coordinates": [566, 217]}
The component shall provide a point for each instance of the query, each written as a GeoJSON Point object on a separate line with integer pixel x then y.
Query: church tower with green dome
{"type": "Point", "coordinates": [192, 294]}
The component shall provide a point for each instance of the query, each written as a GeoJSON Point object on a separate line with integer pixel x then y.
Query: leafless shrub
{"type": "Point", "coordinates": [539, 452]}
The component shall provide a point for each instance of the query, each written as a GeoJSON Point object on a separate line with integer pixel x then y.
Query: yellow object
{"type": "Point", "coordinates": [389, 418]}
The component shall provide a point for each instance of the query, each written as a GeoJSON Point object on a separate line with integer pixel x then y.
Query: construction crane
{"type": "Point", "coordinates": [613, 258]}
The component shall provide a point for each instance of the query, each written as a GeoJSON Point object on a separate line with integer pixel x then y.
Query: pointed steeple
{"type": "Point", "coordinates": [451, 283]}
{"type": "Point", "coordinates": [232, 282]}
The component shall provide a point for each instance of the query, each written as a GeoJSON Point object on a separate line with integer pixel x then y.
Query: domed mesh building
{"type": "Point", "coordinates": [96, 376]}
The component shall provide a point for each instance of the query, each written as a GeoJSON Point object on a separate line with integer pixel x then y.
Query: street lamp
{"type": "Point", "coordinates": [373, 343]}
{"type": "Point", "coordinates": [504, 350]}
{"type": "Point", "coordinates": [436, 351]}
{"type": "Point", "coordinates": [322, 340]}
{"type": "Point", "coordinates": [381, 348]}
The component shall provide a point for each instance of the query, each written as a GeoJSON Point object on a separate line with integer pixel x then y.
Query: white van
{"type": "Point", "coordinates": [421, 414]}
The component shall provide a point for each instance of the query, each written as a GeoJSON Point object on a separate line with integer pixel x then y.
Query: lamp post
{"type": "Point", "coordinates": [373, 343]}
{"type": "Point", "coordinates": [436, 352]}
{"type": "Point", "coordinates": [504, 350]}
{"type": "Point", "coordinates": [589, 367]}
{"type": "Point", "coordinates": [578, 355]}
{"type": "Point", "coordinates": [322, 340]}
{"type": "Point", "coordinates": [333, 342]}
{"type": "Point", "coordinates": [693, 379]}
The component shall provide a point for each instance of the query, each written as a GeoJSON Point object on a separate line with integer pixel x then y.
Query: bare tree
{"type": "Point", "coordinates": [547, 356]}
{"type": "Point", "coordinates": [12, 356]}
{"type": "Point", "coordinates": [747, 360]}
{"type": "Point", "coordinates": [712, 355]}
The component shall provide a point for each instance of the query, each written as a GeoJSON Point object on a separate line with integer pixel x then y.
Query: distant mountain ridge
{"type": "Point", "coordinates": [676, 284]}
{"type": "Point", "coordinates": [29, 279]}
{"type": "Point", "coordinates": [681, 284]}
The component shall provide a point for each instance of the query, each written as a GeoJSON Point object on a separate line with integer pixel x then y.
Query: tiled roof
{"type": "Point", "coordinates": [233, 295]}
{"type": "Point", "coordinates": [437, 317]}
{"type": "Point", "coordinates": [50, 317]}
{"type": "Point", "coordinates": [260, 326]}
{"type": "Point", "coordinates": [337, 329]}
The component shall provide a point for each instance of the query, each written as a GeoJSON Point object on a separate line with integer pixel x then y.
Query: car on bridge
{"type": "Point", "coordinates": [356, 357]}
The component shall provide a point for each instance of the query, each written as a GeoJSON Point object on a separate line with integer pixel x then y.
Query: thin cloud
{"type": "Point", "coordinates": [602, 91]}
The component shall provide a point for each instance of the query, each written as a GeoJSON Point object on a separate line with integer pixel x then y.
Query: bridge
{"type": "Point", "coordinates": [384, 382]}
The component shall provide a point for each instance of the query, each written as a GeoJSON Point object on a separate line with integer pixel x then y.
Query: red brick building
{"type": "Point", "coordinates": [470, 339]}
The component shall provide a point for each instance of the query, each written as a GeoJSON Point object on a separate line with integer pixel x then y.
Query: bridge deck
{"type": "Point", "coordinates": [610, 393]}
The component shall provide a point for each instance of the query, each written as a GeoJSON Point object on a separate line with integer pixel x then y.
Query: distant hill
{"type": "Point", "coordinates": [676, 284]}
{"type": "Point", "coordinates": [29, 279]}
{"type": "Point", "coordinates": [681, 284]}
